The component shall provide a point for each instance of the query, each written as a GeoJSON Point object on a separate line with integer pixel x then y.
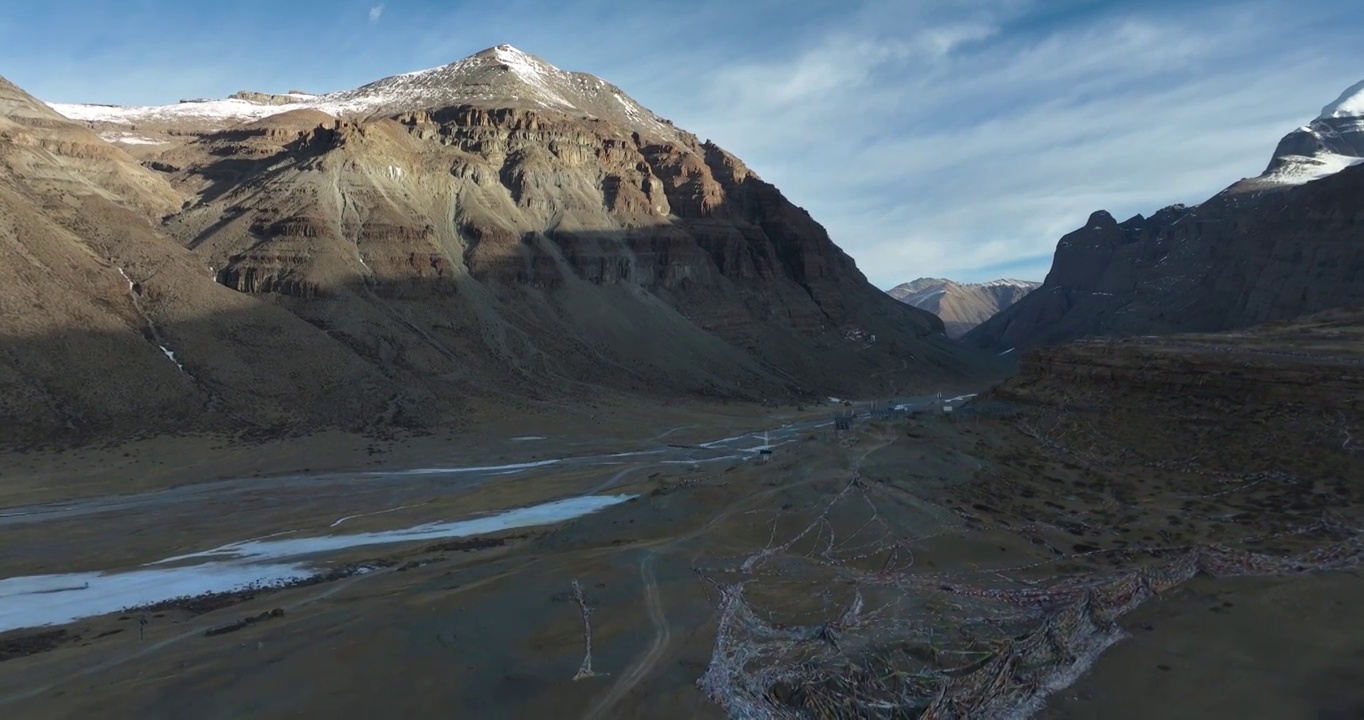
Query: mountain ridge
{"type": "Point", "coordinates": [498, 77]}
{"type": "Point", "coordinates": [1282, 244]}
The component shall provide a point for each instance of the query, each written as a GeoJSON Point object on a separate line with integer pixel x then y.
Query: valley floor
{"type": "Point", "coordinates": [1078, 559]}
{"type": "Point", "coordinates": [490, 434]}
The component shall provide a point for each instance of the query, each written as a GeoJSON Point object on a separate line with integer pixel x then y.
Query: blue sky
{"type": "Point", "coordinates": [956, 138]}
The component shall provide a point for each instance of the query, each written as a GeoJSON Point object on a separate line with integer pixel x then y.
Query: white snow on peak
{"type": "Point", "coordinates": [477, 77]}
{"type": "Point", "coordinates": [1333, 142]}
{"type": "Point", "coordinates": [536, 73]}
{"type": "Point", "coordinates": [231, 109]}
{"type": "Point", "coordinates": [1349, 104]}
{"type": "Point", "coordinates": [1009, 282]}
{"type": "Point", "coordinates": [501, 76]}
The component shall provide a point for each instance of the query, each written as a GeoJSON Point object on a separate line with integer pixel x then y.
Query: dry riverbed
{"type": "Point", "coordinates": [896, 558]}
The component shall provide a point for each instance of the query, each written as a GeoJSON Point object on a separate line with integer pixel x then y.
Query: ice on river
{"type": "Point", "coordinates": [37, 600]}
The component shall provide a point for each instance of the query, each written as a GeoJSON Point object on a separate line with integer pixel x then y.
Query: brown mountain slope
{"type": "Point", "coordinates": [384, 268]}
{"type": "Point", "coordinates": [108, 327]}
{"type": "Point", "coordinates": [541, 240]}
{"type": "Point", "coordinates": [53, 156]}
{"type": "Point", "coordinates": [1287, 243]}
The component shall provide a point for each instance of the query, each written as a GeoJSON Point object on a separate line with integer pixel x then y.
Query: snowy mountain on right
{"type": "Point", "coordinates": [1332, 142]}
{"type": "Point", "coordinates": [1276, 246]}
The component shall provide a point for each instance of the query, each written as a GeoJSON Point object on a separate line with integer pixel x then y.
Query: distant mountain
{"type": "Point", "coordinates": [1286, 243]}
{"type": "Point", "coordinates": [961, 306]}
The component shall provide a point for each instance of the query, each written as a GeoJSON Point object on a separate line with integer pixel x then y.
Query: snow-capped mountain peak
{"type": "Point", "coordinates": [1009, 282]}
{"type": "Point", "coordinates": [497, 77]}
{"type": "Point", "coordinates": [1349, 104]}
{"type": "Point", "coordinates": [1329, 144]}
{"type": "Point", "coordinates": [497, 73]}
{"type": "Point", "coordinates": [500, 76]}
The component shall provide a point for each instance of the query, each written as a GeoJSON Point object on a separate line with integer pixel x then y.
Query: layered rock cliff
{"type": "Point", "coordinates": [1287, 243]}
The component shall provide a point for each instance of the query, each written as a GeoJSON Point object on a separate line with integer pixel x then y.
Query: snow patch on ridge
{"type": "Point", "coordinates": [1300, 169]}
{"type": "Point", "coordinates": [195, 109]}
{"type": "Point", "coordinates": [171, 354]}
{"type": "Point", "coordinates": [1009, 282]}
{"type": "Point", "coordinates": [129, 139]}
{"type": "Point", "coordinates": [536, 74]}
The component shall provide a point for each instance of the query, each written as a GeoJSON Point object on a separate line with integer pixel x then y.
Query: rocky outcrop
{"type": "Point", "coordinates": [961, 306]}
{"type": "Point", "coordinates": [1264, 249]}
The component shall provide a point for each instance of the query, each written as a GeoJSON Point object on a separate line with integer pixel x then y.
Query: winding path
{"type": "Point", "coordinates": [646, 662]}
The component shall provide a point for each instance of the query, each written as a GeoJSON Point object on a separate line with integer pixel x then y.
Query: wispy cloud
{"type": "Point", "coordinates": [375, 13]}
{"type": "Point", "coordinates": [955, 138]}
{"type": "Point", "coordinates": [978, 152]}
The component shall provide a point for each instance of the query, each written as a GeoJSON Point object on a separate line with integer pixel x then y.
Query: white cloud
{"type": "Point", "coordinates": [953, 149]}
{"type": "Point", "coordinates": [375, 13]}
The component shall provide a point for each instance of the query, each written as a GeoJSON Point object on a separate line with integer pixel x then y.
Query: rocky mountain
{"type": "Point", "coordinates": [961, 306]}
{"type": "Point", "coordinates": [109, 326]}
{"type": "Point", "coordinates": [1286, 243]}
{"type": "Point", "coordinates": [495, 228]}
